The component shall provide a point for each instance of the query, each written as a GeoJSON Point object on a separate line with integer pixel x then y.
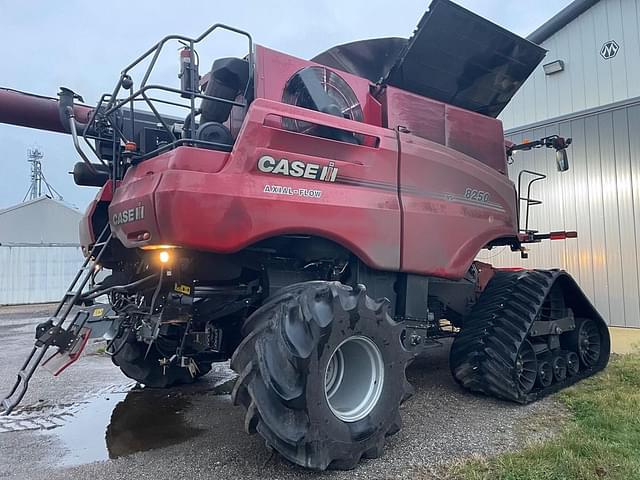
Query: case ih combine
{"type": "Point", "coordinates": [316, 222]}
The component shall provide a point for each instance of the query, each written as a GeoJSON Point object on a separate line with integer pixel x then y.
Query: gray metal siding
{"type": "Point", "coordinates": [36, 274]}
{"type": "Point", "coordinates": [588, 79]}
{"type": "Point", "coordinates": [600, 198]}
{"type": "Point", "coordinates": [39, 221]}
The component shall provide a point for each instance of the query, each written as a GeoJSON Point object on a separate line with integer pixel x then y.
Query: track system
{"type": "Point", "coordinates": [531, 333]}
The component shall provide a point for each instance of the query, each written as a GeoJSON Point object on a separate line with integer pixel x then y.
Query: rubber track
{"type": "Point", "coordinates": [483, 355]}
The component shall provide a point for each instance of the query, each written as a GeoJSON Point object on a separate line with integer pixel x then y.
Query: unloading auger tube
{"type": "Point", "coordinates": [531, 333]}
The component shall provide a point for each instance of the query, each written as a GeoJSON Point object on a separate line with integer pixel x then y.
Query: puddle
{"type": "Point", "coordinates": [119, 424]}
{"type": "Point", "coordinates": [120, 419]}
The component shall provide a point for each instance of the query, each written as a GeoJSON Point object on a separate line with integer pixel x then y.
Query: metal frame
{"type": "Point", "coordinates": [109, 104]}
{"type": "Point", "coordinates": [528, 200]}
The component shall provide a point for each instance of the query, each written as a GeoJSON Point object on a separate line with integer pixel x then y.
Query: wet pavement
{"type": "Point", "coordinates": [92, 422]}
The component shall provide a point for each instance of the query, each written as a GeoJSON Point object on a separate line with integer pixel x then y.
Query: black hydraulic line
{"type": "Point", "coordinates": [76, 143]}
{"type": "Point", "coordinates": [96, 292]}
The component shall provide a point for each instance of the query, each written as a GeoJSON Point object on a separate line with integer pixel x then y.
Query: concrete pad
{"type": "Point", "coordinates": [624, 340]}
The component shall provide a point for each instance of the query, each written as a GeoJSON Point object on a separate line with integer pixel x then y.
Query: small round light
{"type": "Point", "coordinates": [164, 256]}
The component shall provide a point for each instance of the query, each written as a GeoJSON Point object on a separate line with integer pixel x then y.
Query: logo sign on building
{"type": "Point", "coordinates": [609, 49]}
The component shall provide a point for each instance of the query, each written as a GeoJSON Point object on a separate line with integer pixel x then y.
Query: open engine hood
{"type": "Point", "coordinates": [454, 56]}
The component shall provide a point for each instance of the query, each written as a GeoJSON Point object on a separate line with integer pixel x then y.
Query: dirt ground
{"type": "Point", "coordinates": [92, 422]}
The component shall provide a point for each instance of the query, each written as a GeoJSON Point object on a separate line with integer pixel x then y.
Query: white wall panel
{"type": "Point", "coordinates": [599, 197]}
{"type": "Point", "coordinates": [36, 274]}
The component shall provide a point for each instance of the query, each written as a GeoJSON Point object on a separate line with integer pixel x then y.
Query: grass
{"type": "Point", "coordinates": [601, 439]}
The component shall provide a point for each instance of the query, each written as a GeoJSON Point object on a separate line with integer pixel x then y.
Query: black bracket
{"type": "Point", "coordinates": [553, 141]}
{"type": "Point", "coordinates": [51, 335]}
{"type": "Point", "coordinates": [553, 327]}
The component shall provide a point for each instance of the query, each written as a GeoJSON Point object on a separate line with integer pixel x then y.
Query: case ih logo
{"type": "Point", "coordinates": [297, 168]}
{"type": "Point", "coordinates": [609, 49]}
{"type": "Point", "coordinates": [127, 216]}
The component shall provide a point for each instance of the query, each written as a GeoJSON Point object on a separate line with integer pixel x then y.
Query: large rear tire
{"type": "Point", "coordinates": [145, 368]}
{"type": "Point", "coordinates": [322, 374]}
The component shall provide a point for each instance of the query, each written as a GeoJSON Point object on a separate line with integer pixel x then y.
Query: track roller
{"type": "Point", "coordinates": [586, 341]}
{"type": "Point", "coordinates": [559, 364]}
{"type": "Point", "coordinates": [573, 363]}
{"type": "Point", "coordinates": [526, 368]}
{"type": "Point", "coordinates": [545, 373]}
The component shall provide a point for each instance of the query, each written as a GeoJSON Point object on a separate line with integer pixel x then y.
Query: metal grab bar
{"type": "Point", "coordinates": [528, 200]}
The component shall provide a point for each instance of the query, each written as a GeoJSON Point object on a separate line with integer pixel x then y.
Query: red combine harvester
{"type": "Point", "coordinates": [260, 225]}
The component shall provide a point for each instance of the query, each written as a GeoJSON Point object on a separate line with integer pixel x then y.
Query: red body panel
{"type": "Point", "coordinates": [476, 135]}
{"type": "Point", "coordinates": [86, 234]}
{"type": "Point", "coordinates": [227, 210]}
{"type": "Point", "coordinates": [431, 223]}
{"type": "Point", "coordinates": [444, 224]}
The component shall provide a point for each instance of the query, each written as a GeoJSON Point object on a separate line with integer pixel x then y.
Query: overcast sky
{"type": "Point", "coordinates": [84, 45]}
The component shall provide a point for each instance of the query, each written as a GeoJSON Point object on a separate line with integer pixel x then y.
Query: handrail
{"type": "Point", "coordinates": [109, 104]}
{"type": "Point", "coordinates": [157, 48]}
{"type": "Point", "coordinates": [146, 88]}
{"type": "Point", "coordinates": [528, 200]}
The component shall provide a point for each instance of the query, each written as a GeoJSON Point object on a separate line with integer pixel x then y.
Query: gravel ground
{"type": "Point", "coordinates": [93, 423]}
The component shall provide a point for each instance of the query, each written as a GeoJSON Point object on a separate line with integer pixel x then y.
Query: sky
{"type": "Point", "coordinates": [84, 45]}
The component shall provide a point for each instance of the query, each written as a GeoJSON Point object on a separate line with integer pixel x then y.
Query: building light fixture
{"type": "Point", "coordinates": [553, 67]}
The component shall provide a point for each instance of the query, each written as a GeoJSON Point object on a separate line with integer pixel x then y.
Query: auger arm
{"type": "Point", "coordinates": [37, 111]}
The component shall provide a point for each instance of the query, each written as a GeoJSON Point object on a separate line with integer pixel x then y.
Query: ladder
{"type": "Point", "coordinates": [54, 332]}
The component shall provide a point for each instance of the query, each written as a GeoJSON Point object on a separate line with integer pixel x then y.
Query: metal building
{"type": "Point", "coordinates": [39, 251]}
{"type": "Point", "coordinates": [588, 88]}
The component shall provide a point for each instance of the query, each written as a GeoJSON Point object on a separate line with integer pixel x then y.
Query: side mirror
{"type": "Point", "coordinates": [562, 160]}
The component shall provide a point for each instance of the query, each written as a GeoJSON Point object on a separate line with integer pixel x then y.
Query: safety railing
{"type": "Point", "coordinates": [108, 117]}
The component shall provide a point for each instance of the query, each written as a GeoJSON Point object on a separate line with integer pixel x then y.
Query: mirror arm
{"type": "Point", "coordinates": [558, 143]}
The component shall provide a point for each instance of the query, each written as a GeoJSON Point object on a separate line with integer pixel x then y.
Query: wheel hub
{"type": "Point", "coordinates": [589, 343]}
{"type": "Point", "coordinates": [354, 378]}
